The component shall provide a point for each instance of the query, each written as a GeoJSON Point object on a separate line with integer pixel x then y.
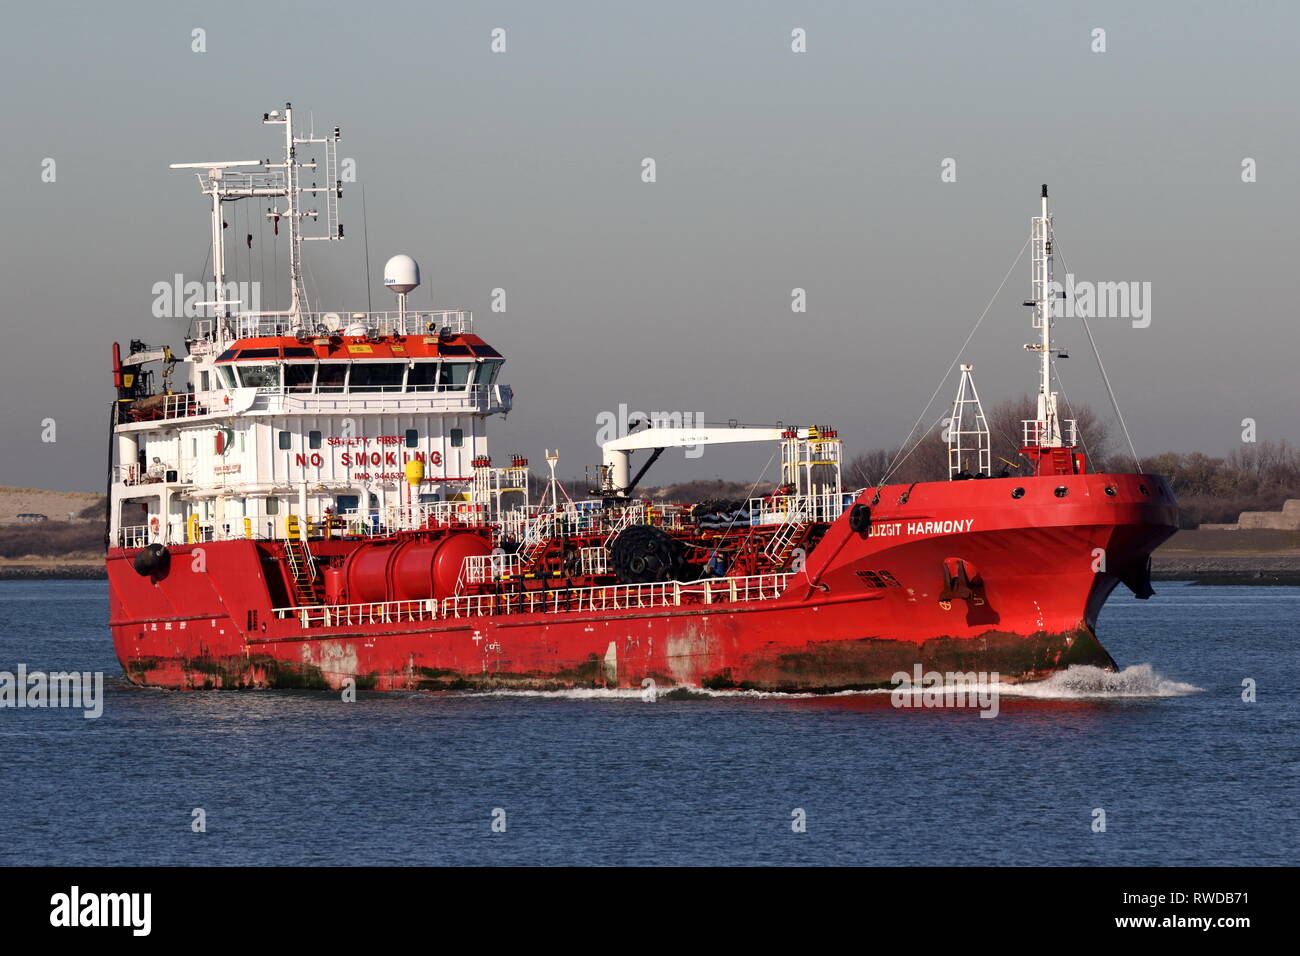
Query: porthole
{"type": "Point", "coordinates": [1061, 491]}
{"type": "Point", "coordinates": [1017, 492]}
{"type": "Point", "coordinates": [1110, 490]}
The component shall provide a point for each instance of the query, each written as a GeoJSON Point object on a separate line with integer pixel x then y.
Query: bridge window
{"type": "Point", "coordinates": [259, 376]}
{"type": "Point", "coordinates": [454, 376]}
{"type": "Point", "coordinates": [331, 377]}
{"type": "Point", "coordinates": [227, 376]}
{"type": "Point", "coordinates": [487, 373]}
{"type": "Point", "coordinates": [422, 377]}
{"type": "Point", "coordinates": [298, 377]}
{"type": "Point", "coordinates": [376, 377]}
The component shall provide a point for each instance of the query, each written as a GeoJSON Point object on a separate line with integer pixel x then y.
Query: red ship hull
{"type": "Point", "coordinates": [867, 605]}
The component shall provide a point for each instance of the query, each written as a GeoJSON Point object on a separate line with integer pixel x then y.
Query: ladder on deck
{"type": "Point", "coordinates": [782, 544]}
{"type": "Point", "coordinates": [302, 570]}
{"type": "Point", "coordinates": [536, 539]}
{"type": "Point", "coordinates": [1063, 461]}
{"type": "Point", "coordinates": [629, 516]}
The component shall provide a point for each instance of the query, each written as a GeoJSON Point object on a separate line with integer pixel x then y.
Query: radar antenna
{"type": "Point", "coordinates": [225, 183]}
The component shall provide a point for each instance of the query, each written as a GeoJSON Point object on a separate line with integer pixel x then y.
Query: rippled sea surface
{"type": "Point", "coordinates": [1184, 770]}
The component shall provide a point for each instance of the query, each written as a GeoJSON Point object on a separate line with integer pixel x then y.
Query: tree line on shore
{"type": "Point", "coordinates": [1255, 477]}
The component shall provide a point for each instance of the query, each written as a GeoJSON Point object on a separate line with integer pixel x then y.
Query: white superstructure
{"type": "Point", "coordinates": [300, 417]}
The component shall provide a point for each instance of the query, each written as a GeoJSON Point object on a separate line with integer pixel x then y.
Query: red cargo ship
{"type": "Point", "coordinates": [318, 506]}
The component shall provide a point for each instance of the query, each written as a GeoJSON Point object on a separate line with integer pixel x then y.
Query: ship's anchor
{"type": "Point", "coordinates": [1137, 578]}
{"type": "Point", "coordinates": [961, 581]}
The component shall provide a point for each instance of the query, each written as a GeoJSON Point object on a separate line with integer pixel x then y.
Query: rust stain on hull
{"type": "Point", "coordinates": [867, 663]}
{"type": "Point", "coordinates": [870, 663]}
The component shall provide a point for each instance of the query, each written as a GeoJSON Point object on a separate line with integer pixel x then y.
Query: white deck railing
{"type": "Point", "coordinates": [1035, 432]}
{"type": "Point", "coordinates": [351, 615]}
{"type": "Point", "coordinates": [594, 560]}
{"type": "Point", "coordinates": [485, 568]}
{"type": "Point", "coordinates": [135, 536]}
{"type": "Point", "coordinates": [472, 398]}
{"type": "Point", "coordinates": [823, 506]}
{"type": "Point", "coordinates": [618, 597]}
{"type": "Point", "coordinates": [415, 322]}
{"type": "Point", "coordinates": [610, 597]}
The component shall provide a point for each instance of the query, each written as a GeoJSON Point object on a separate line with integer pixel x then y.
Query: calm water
{"type": "Point", "coordinates": [1186, 772]}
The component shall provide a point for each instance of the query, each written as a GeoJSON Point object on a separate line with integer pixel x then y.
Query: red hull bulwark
{"type": "Point", "coordinates": [1044, 563]}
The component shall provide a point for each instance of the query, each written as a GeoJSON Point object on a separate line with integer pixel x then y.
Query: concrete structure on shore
{"type": "Point", "coordinates": [1288, 519]}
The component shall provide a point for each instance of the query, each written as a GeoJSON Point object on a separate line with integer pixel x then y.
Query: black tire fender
{"type": "Point", "coordinates": [859, 518]}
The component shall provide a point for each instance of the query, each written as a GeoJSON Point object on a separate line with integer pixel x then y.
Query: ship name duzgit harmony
{"type": "Point", "coordinates": [318, 504]}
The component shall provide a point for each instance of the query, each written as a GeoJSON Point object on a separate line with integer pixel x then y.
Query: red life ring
{"type": "Point", "coordinates": [153, 524]}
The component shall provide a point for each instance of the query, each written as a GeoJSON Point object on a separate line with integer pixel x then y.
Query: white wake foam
{"type": "Point", "coordinates": [663, 693]}
{"type": "Point", "coordinates": [1080, 681]}
{"type": "Point", "coordinates": [1086, 681]}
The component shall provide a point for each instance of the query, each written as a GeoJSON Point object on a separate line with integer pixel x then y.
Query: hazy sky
{"type": "Point", "coordinates": [775, 170]}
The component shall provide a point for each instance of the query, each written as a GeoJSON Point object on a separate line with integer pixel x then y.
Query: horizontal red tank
{"type": "Point", "coordinates": [411, 569]}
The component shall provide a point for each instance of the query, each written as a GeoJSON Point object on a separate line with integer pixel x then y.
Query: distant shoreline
{"type": "Point", "coordinates": [52, 572]}
{"type": "Point", "coordinates": [1209, 571]}
{"type": "Point", "coordinates": [1231, 578]}
{"type": "Point", "coordinates": [1215, 557]}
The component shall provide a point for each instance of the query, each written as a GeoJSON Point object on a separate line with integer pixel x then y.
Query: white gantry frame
{"type": "Point", "coordinates": [968, 432]}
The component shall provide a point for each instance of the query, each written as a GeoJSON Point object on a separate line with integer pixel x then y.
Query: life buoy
{"type": "Point", "coordinates": [154, 525]}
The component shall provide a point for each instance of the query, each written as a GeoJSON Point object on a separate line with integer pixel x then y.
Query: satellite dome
{"type": "Point", "coordinates": [401, 274]}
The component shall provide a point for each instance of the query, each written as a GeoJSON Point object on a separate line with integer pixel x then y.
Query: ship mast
{"type": "Point", "coordinates": [1045, 301]}
{"type": "Point", "coordinates": [272, 180]}
{"type": "Point", "coordinates": [294, 213]}
{"type": "Point", "coordinates": [1049, 442]}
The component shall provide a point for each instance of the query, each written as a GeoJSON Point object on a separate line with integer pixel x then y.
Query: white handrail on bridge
{"type": "Point", "coordinates": [413, 322]}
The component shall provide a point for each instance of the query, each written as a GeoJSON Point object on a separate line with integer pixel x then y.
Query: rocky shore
{"type": "Point", "coordinates": [1230, 556]}
{"type": "Point", "coordinates": [50, 570]}
{"type": "Point", "coordinates": [1227, 569]}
